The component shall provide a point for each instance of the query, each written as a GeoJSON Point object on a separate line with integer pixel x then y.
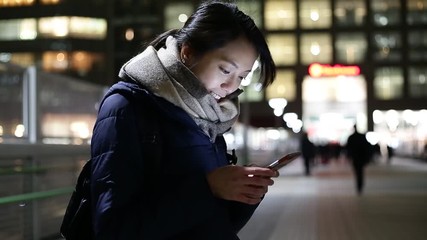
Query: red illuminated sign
{"type": "Point", "coordinates": [324, 70]}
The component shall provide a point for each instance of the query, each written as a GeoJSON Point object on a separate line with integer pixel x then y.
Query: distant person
{"type": "Point", "coordinates": [390, 153]}
{"type": "Point", "coordinates": [359, 151]}
{"type": "Point", "coordinates": [308, 150]}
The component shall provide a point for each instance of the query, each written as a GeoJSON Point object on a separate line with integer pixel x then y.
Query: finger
{"type": "Point", "coordinates": [257, 181]}
{"type": "Point", "coordinates": [277, 173]}
{"type": "Point", "coordinates": [260, 171]}
{"type": "Point", "coordinates": [255, 191]}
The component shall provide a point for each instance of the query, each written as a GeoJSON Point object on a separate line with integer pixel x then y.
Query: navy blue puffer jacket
{"type": "Point", "coordinates": [180, 205]}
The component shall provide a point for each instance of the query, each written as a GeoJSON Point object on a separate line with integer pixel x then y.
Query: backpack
{"type": "Point", "coordinates": [77, 221]}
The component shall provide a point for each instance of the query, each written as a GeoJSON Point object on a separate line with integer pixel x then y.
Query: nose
{"type": "Point", "coordinates": [230, 85]}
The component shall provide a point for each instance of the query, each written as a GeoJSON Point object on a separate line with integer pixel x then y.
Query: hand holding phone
{"type": "Point", "coordinates": [281, 162]}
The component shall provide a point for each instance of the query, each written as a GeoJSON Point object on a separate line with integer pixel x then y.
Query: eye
{"type": "Point", "coordinates": [224, 70]}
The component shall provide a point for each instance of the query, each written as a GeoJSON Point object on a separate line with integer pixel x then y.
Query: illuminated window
{"type": "Point", "coordinates": [283, 86]}
{"type": "Point", "coordinates": [85, 27]}
{"type": "Point", "coordinates": [252, 8]}
{"type": "Point", "coordinates": [417, 42]}
{"type": "Point", "coordinates": [82, 62]}
{"type": "Point", "coordinates": [54, 26]}
{"type": "Point", "coordinates": [79, 62]}
{"type": "Point", "coordinates": [387, 46]}
{"type": "Point", "coordinates": [416, 12]}
{"type": "Point", "coordinates": [351, 47]}
{"type": "Point", "coordinates": [418, 81]}
{"type": "Point", "coordinates": [21, 59]}
{"type": "Point", "coordinates": [176, 14]}
{"type": "Point", "coordinates": [55, 61]}
{"type": "Point", "coordinates": [18, 29]}
{"type": "Point", "coordinates": [79, 27]}
{"type": "Point", "coordinates": [385, 12]}
{"type": "Point", "coordinates": [50, 2]}
{"type": "Point", "coordinates": [280, 14]}
{"type": "Point", "coordinates": [350, 13]}
{"type": "Point", "coordinates": [315, 14]}
{"type": "Point", "coordinates": [283, 48]}
{"type": "Point", "coordinates": [16, 3]}
{"type": "Point", "coordinates": [388, 83]}
{"type": "Point", "coordinates": [316, 47]}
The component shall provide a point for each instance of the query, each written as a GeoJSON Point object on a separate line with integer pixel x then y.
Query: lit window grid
{"type": "Point", "coordinates": [280, 14]}
{"type": "Point", "coordinates": [418, 81]}
{"type": "Point", "coordinates": [388, 83]}
{"type": "Point", "coordinates": [283, 48]}
{"type": "Point", "coordinates": [283, 86]}
{"type": "Point", "coordinates": [315, 14]}
{"type": "Point", "coordinates": [316, 47]}
{"type": "Point", "coordinates": [350, 13]}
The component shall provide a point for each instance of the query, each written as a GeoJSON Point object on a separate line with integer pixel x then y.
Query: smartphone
{"type": "Point", "coordinates": [281, 162]}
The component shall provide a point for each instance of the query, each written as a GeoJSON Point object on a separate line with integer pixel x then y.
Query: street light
{"type": "Point", "coordinates": [278, 105]}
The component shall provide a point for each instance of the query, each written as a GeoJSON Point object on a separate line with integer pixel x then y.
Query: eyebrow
{"type": "Point", "coordinates": [235, 64]}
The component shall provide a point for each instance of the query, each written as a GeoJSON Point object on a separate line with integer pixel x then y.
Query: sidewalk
{"type": "Point", "coordinates": [325, 206]}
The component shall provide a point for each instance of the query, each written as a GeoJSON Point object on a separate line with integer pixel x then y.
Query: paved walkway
{"type": "Point", "coordinates": [325, 206]}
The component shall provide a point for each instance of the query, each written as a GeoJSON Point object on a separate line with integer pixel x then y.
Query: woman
{"type": "Point", "coordinates": [190, 77]}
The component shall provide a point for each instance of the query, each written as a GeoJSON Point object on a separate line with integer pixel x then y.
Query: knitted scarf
{"type": "Point", "coordinates": [163, 74]}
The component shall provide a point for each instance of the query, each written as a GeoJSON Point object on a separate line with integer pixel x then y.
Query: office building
{"type": "Point", "coordinates": [339, 62]}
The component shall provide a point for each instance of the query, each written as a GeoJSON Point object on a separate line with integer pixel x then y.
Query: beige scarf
{"type": "Point", "coordinates": [162, 73]}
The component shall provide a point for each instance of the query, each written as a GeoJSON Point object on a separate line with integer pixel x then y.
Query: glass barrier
{"type": "Point", "coordinates": [67, 109]}
{"type": "Point", "coordinates": [11, 103]}
{"type": "Point", "coordinates": [48, 108]}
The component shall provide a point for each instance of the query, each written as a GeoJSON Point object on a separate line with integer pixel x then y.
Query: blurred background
{"type": "Point", "coordinates": [340, 63]}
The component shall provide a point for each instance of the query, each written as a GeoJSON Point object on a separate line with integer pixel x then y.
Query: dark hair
{"type": "Point", "coordinates": [213, 25]}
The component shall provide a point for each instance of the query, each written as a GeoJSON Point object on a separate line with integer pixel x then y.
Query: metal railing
{"type": "Point", "coordinates": [36, 181]}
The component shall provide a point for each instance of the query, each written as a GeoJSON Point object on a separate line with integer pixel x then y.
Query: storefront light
{"type": "Point", "coordinates": [19, 130]}
{"type": "Point", "coordinates": [129, 34]}
{"type": "Point", "coordinates": [297, 126]}
{"type": "Point", "coordinates": [392, 119]}
{"type": "Point", "coordinates": [278, 105]}
{"type": "Point", "coordinates": [290, 117]}
{"type": "Point", "coordinates": [273, 134]}
{"type": "Point", "coordinates": [292, 121]}
{"type": "Point", "coordinates": [410, 117]}
{"type": "Point", "coordinates": [315, 49]}
{"type": "Point", "coordinates": [325, 70]}
{"type": "Point", "coordinates": [423, 114]}
{"type": "Point", "coordinates": [80, 129]}
{"type": "Point", "coordinates": [182, 17]}
{"type": "Point", "coordinates": [314, 15]}
{"type": "Point", "coordinates": [378, 116]}
{"type": "Point", "coordinates": [373, 138]}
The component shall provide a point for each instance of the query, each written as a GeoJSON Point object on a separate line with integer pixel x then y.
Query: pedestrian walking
{"type": "Point", "coordinates": [359, 151]}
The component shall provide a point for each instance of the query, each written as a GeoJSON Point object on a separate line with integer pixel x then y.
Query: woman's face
{"type": "Point", "coordinates": [222, 70]}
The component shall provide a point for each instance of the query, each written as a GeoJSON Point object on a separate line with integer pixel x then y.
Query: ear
{"type": "Point", "coordinates": [186, 53]}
